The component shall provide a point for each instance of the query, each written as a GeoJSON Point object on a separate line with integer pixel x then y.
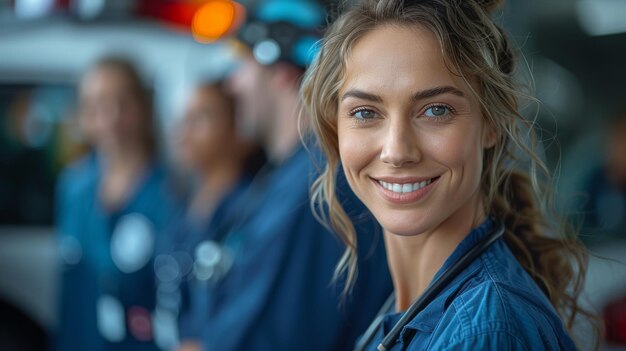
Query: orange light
{"type": "Point", "coordinates": [215, 19]}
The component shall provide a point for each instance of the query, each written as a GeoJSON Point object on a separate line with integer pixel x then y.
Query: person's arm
{"type": "Point", "coordinates": [71, 303]}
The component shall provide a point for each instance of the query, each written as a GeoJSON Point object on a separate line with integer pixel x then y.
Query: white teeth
{"type": "Point", "coordinates": [404, 188]}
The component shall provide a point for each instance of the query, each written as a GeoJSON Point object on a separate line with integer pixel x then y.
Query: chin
{"type": "Point", "coordinates": [187, 163]}
{"type": "Point", "coordinates": [405, 223]}
{"type": "Point", "coordinates": [403, 229]}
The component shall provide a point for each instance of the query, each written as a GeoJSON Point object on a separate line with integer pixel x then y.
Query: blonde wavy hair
{"type": "Point", "coordinates": [516, 183]}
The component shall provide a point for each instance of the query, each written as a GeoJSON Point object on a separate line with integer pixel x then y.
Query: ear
{"type": "Point", "coordinates": [489, 135]}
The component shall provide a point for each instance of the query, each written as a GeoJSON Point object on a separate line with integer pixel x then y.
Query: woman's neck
{"type": "Point", "coordinates": [122, 171]}
{"type": "Point", "coordinates": [414, 260]}
{"type": "Point", "coordinates": [214, 185]}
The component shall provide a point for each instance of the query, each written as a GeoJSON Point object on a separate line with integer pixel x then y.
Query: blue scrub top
{"type": "Point", "coordinates": [182, 289]}
{"type": "Point", "coordinates": [493, 304]}
{"type": "Point", "coordinates": [277, 294]}
{"type": "Point", "coordinates": [107, 288]}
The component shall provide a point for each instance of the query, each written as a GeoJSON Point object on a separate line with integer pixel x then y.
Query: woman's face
{"type": "Point", "coordinates": [411, 134]}
{"type": "Point", "coordinates": [111, 115]}
{"type": "Point", "coordinates": [207, 132]}
{"type": "Point", "coordinates": [251, 84]}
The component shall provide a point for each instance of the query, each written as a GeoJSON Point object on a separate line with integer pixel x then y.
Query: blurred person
{"type": "Point", "coordinates": [272, 263]}
{"type": "Point", "coordinates": [221, 165]}
{"type": "Point", "coordinates": [27, 188]}
{"type": "Point", "coordinates": [112, 207]}
{"type": "Point", "coordinates": [606, 186]}
{"type": "Point", "coordinates": [417, 101]}
{"type": "Point", "coordinates": [27, 177]}
{"type": "Point", "coordinates": [599, 207]}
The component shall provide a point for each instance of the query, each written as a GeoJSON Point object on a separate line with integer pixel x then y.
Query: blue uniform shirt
{"type": "Point", "coordinates": [182, 290]}
{"type": "Point", "coordinates": [492, 305]}
{"type": "Point", "coordinates": [107, 288]}
{"type": "Point", "coordinates": [277, 294]}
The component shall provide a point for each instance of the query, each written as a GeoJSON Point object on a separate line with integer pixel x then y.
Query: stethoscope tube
{"type": "Point", "coordinates": [371, 330]}
{"type": "Point", "coordinates": [427, 297]}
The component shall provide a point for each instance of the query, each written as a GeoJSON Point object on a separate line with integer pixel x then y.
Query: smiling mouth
{"type": "Point", "coordinates": [406, 187]}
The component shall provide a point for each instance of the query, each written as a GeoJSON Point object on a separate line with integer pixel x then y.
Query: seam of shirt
{"type": "Point", "coordinates": [463, 315]}
{"type": "Point", "coordinates": [489, 267]}
{"type": "Point", "coordinates": [467, 329]}
{"type": "Point", "coordinates": [487, 264]}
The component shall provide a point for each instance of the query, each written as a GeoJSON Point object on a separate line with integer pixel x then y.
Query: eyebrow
{"type": "Point", "coordinates": [423, 94]}
{"type": "Point", "coordinates": [428, 93]}
{"type": "Point", "coordinates": [359, 94]}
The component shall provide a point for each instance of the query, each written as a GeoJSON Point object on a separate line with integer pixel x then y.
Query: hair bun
{"type": "Point", "coordinates": [490, 5]}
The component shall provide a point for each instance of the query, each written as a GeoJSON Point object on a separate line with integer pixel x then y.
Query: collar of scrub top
{"type": "Point", "coordinates": [283, 30]}
{"type": "Point", "coordinates": [476, 243]}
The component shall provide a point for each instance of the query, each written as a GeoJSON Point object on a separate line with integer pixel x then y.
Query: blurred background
{"type": "Point", "coordinates": [574, 62]}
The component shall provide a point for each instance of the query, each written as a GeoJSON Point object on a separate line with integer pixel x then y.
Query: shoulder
{"type": "Point", "coordinates": [500, 307]}
{"type": "Point", "coordinates": [77, 176]}
{"type": "Point", "coordinates": [492, 308]}
{"type": "Point", "coordinates": [81, 167]}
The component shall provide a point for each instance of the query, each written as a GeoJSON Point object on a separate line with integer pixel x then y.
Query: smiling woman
{"type": "Point", "coordinates": [418, 103]}
{"type": "Point", "coordinates": [419, 132]}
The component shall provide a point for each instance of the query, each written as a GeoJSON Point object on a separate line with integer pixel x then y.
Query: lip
{"type": "Point", "coordinates": [403, 180]}
{"type": "Point", "coordinates": [404, 198]}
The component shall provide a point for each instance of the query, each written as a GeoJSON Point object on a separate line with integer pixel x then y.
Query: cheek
{"type": "Point", "coordinates": [104, 124]}
{"type": "Point", "coordinates": [356, 152]}
{"type": "Point", "coordinates": [218, 138]}
{"type": "Point", "coordinates": [187, 148]}
{"type": "Point", "coordinates": [137, 120]}
{"type": "Point", "coordinates": [206, 140]}
{"type": "Point", "coordinates": [462, 153]}
{"type": "Point", "coordinates": [214, 142]}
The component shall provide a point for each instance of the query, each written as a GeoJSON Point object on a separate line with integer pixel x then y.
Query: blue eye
{"type": "Point", "coordinates": [364, 114]}
{"type": "Point", "coordinates": [437, 111]}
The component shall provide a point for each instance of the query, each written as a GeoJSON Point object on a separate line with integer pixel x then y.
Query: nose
{"type": "Point", "coordinates": [236, 78]}
{"type": "Point", "coordinates": [180, 130]}
{"type": "Point", "coordinates": [230, 83]}
{"type": "Point", "coordinates": [401, 144]}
